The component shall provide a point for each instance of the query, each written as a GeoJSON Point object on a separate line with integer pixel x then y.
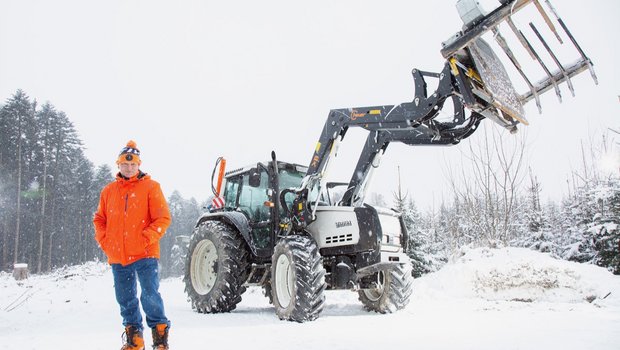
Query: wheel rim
{"type": "Point", "coordinates": [284, 281]}
{"type": "Point", "coordinates": [204, 271]}
{"type": "Point", "coordinates": [375, 294]}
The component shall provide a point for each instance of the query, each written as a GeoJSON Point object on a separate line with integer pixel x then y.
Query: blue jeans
{"type": "Point", "coordinates": [147, 272]}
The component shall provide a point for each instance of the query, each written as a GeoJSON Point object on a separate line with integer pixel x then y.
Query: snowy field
{"type": "Point", "coordinates": [486, 299]}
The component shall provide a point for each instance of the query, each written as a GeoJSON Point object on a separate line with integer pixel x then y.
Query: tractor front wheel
{"type": "Point", "coordinates": [297, 279]}
{"type": "Point", "coordinates": [392, 289]}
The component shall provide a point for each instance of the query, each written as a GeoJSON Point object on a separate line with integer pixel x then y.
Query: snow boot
{"type": "Point", "coordinates": [133, 339]}
{"type": "Point", "coordinates": [160, 337]}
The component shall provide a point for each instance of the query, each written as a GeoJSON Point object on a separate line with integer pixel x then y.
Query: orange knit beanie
{"type": "Point", "coordinates": [129, 153]}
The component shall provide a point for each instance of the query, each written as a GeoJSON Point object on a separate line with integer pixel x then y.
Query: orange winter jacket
{"type": "Point", "coordinates": [131, 218]}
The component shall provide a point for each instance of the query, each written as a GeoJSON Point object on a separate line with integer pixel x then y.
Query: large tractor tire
{"type": "Point", "coordinates": [392, 291]}
{"type": "Point", "coordinates": [215, 268]}
{"type": "Point", "coordinates": [297, 279]}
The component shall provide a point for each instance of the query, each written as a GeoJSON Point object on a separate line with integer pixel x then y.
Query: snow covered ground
{"type": "Point", "coordinates": [485, 299]}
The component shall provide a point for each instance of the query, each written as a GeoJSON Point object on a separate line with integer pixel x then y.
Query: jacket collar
{"type": "Point", "coordinates": [122, 179]}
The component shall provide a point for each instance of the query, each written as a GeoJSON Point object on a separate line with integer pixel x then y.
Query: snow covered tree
{"type": "Point", "coordinates": [441, 231]}
{"type": "Point", "coordinates": [435, 246]}
{"type": "Point", "coordinates": [411, 218]}
{"type": "Point", "coordinates": [417, 240]}
{"type": "Point", "coordinates": [592, 219]}
{"type": "Point", "coordinates": [605, 227]}
{"type": "Point", "coordinates": [184, 214]}
{"type": "Point", "coordinates": [103, 175]}
{"type": "Point", "coordinates": [578, 214]}
{"type": "Point", "coordinates": [534, 214]}
{"type": "Point", "coordinates": [531, 225]}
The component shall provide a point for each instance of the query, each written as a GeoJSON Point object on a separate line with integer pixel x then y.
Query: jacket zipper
{"type": "Point", "coordinates": [126, 200]}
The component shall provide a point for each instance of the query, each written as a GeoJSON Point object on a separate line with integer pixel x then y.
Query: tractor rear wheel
{"type": "Point", "coordinates": [215, 268]}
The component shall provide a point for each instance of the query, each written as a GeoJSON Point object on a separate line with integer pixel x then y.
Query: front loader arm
{"type": "Point", "coordinates": [405, 117]}
{"type": "Point", "coordinates": [412, 123]}
{"type": "Point", "coordinates": [378, 141]}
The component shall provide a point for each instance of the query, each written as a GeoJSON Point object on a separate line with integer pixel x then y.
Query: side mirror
{"type": "Point", "coordinates": [254, 178]}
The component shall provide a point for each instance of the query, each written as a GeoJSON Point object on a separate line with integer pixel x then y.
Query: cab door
{"type": "Point", "coordinates": [252, 201]}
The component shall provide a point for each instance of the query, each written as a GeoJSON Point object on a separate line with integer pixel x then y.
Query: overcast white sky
{"type": "Point", "coordinates": [194, 80]}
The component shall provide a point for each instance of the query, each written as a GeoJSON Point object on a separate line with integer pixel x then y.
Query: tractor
{"type": "Point", "coordinates": [284, 227]}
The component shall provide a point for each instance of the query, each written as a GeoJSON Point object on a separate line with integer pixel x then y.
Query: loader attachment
{"type": "Point", "coordinates": [472, 58]}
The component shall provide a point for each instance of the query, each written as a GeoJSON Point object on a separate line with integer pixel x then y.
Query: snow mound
{"type": "Point", "coordinates": [520, 275]}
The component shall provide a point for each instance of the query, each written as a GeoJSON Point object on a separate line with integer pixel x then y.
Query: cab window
{"type": "Point", "coordinates": [252, 199]}
{"type": "Point", "coordinates": [231, 191]}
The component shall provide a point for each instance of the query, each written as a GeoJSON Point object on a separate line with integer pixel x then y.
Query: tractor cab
{"type": "Point", "coordinates": [253, 191]}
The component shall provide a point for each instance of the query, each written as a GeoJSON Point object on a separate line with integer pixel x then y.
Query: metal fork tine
{"type": "Point", "coordinates": [520, 36]}
{"type": "Point", "coordinates": [572, 39]}
{"type": "Point", "coordinates": [504, 45]}
{"type": "Point", "coordinates": [544, 67]}
{"type": "Point", "coordinates": [547, 20]}
{"type": "Point", "coordinates": [555, 59]}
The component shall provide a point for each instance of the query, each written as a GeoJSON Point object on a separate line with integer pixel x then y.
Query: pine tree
{"type": "Point", "coordinates": [436, 246]}
{"type": "Point", "coordinates": [555, 223]}
{"type": "Point", "coordinates": [65, 196]}
{"type": "Point", "coordinates": [416, 239]}
{"type": "Point", "coordinates": [605, 227]}
{"type": "Point", "coordinates": [44, 118]}
{"type": "Point", "coordinates": [590, 222]}
{"type": "Point", "coordinates": [578, 214]}
{"type": "Point", "coordinates": [185, 214]}
{"type": "Point", "coordinates": [411, 219]}
{"type": "Point", "coordinates": [103, 176]}
{"type": "Point", "coordinates": [532, 227]}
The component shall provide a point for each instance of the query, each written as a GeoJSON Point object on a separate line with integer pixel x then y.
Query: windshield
{"type": "Point", "coordinates": [290, 178]}
{"type": "Point", "coordinates": [335, 192]}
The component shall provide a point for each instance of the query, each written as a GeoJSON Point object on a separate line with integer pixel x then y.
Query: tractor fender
{"type": "Point", "coordinates": [236, 219]}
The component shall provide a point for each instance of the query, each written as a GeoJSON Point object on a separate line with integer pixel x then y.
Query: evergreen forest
{"type": "Point", "coordinates": [49, 191]}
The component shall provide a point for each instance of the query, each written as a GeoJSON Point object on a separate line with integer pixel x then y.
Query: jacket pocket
{"type": "Point", "coordinates": [111, 248]}
{"type": "Point", "coordinates": [135, 244]}
{"type": "Point", "coordinates": [104, 243]}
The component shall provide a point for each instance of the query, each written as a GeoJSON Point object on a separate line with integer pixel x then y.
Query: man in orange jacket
{"type": "Point", "coordinates": [131, 219]}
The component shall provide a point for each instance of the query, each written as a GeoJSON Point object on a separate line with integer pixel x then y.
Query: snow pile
{"type": "Point", "coordinates": [520, 275]}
